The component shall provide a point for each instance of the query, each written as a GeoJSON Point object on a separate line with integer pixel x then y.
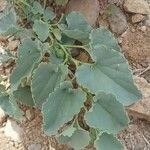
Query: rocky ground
{"type": "Point", "coordinates": [129, 20]}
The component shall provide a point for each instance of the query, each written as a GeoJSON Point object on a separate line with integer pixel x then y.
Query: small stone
{"type": "Point", "coordinates": [137, 18]}
{"type": "Point", "coordinates": [136, 6]}
{"type": "Point", "coordinates": [12, 45]}
{"type": "Point", "coordinates": [117, 20]}
{"type": "Point", "coordinates": [89, 8]}
{"type": "Point", "coordinates": [3, 4]}
{"type": "Point", "coordinates": [28, 115]}
{"type": "Point", "coordinates": [35, 146]}
{"type": "Point", "coordinates": [147, 21]}
{"type": "Point", "coordinates": [13, 130]}
{"type": "Point", "coordinates": [143, 28]}
{"type": "Point", "coordinates": [2, 116]}
{"type": "Point", "coordinates": [51, 148]}
{"type": "Point", "coordinates": [120, 40]}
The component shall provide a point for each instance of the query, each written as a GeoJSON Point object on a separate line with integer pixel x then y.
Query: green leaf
{"type": "Point", "coordinates": [78, 140]}
{"type": "Point", "coordinates": [49, 14]}
{"type": "Point", "coordinates": [69, 132]}
{"type": "Point", "coordinates": [103, 36]}
{"type": "Point", "coordinates": [7, 21]}
{"type": "Point", "coordinates": [108, 142]}
{"type": "Point", "coordinates": [41, 29]}
{"type": "Point", "coordinates": [45, 79]}
{"type": "Point", "coordinates": [61, 2]}
{"type": "Point", "coordinates": [9, 105]}
{"type": "Point", "coordinates": [28, 55]}
{"type": "Point", "coordinates": [77, 27]}
{"type": "Point", "coordinates": [110, 74]}
{"type": "Point", "coordinates": [57, 34]}
{"type": "Point", "coordinates": [37, 8]}
{"type": "Point", "coordinates": [61, 106]}
{"type": "Point", "coordinates": [23, 95]}
{"type": "Point", "coordinates": [107, 114]}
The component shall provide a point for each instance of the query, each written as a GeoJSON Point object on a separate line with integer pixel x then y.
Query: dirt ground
{"type": "Point", "coordinates": [136, 47]}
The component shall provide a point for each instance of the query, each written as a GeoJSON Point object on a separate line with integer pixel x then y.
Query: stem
{"type": "Point", "coordinates": [77, 46]}
{"type": "Point", "coordinates": [45, 1]}
{"type": "Point", "coordinates": [56, 24]}
{"type": "Point", "coordinates": [66, 53]}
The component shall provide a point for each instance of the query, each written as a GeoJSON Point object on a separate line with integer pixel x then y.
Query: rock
{"type": "Point", "coordinates": [142, 108]}
{"type": "Point", "coordinates": [13, 130]}
{"type": "Point", "coordinates": [147, 21]}
{"type": "Point", "coordinates": [51, 148]}
{"type": "Point", "coordinates": [35, 146]}
{"type": "Point", "coordinates": [3, 4]}
{"type": "Point", "coordinates": [12, 45]}
{"type": "Point", "coordinates": [143, 28]}
{"type": "Point", "coordinates": [136, 6]}
{"type": "Point", "coordinates": [117, 20]}
{"type": "Point", "coordinates": [29, 114]}
{"type": "Point", "coordinates": [137, 18]}
{"type": "Point", "coordinates": [89, 8]}
{"type": "Point", "coordinates": [2, 116]}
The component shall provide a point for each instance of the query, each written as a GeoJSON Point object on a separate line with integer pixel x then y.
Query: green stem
{"type": "Point", "coordinates": [66, 53]}
{"type": "Point", "coordinates": [78, 46]}
{"type": "Point", "coordinates": [56, 24]}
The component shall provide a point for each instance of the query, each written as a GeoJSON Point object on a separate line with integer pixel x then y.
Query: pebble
{"type": "Point", "coordinates": [3, 4]}
{"type": "Point", "coordinates": [89, 8]}
{"type": "Point", "coordinates": [13, 130]}
{"type": "Point", "coordinates": [117, 20]}
{"type": "Point", "coordinates": [35, 146]}
{"type": "Point", "coordinates": [143, 28]}
{"type": "Point", "coordinates": [12, 45]}
{"type": "Point", "coordinates": [2, 116]}
{"type": "Point", "coordinates": [29, 115]}
{"type": "Point", "coordinates": [136, 6]}
{"type": "Point", "coordinates": [147, 21]}
{"type": "Point", "coordinates": [138, 18]}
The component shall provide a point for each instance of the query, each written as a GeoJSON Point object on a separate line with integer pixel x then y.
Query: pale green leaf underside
{"type": "Point", "coordinates": [37, 8]}
{"type": "Point", "coordinates": [28, 55]}
{"type": "Point", "coordinates": [45, 79]}
{"type": "Point", "coordinates": [77, 27]}
{"type": "Point", "coordinates": [69, 132]}
{"type": "Point", "coordinates": [7, 21]}
{"type": "Point", "coordinates": [110, 74]}
{"type": "Point", "coordinates": [108, 142]}
{"type": "Point", "coordinates": [61, 106]}
{"type": "Point", "coordinates": [23, 95]}
{"type": "Point", "coordinates": [78, 140]}
{"type": "Point", "coordinates": [107, 114]}
{"type": "Point", "coordinates": [9, 105]}
{"type": "Point", "coordinates": [49, 14]}
{"type": "Point", "coordinates": [41, 29]}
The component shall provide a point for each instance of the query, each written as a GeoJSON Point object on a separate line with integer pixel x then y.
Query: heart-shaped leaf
{"type": "Point", "coordinates": [110, 74]}
{"type": "Point", "coordinates": [107, 114]}
{"type": "Point", "coordinates": [61, 106]}
{"type": "Point", "coordinates": [45, 79]}
{"type": "Point", "coordinates": [108, 142]}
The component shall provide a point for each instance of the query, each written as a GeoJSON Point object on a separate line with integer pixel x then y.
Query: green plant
{"type": "Point", "coordinates": [81, 102]}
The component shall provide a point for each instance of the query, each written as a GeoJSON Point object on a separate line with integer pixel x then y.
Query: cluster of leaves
{"type": "Point", "coordinates": [48, 77]}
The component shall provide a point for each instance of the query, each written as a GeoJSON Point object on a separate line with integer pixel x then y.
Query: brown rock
{"type": "Point", "coordinates": [137, 18]}
{"type": "Point", "coordinates": [142, 108]}
{"type": "Point", "coordinates": [117, 20]}
{"type": "Point", "coordinates": [136, 6]}
{"type": "Point", "coordinates": [89, 8]}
